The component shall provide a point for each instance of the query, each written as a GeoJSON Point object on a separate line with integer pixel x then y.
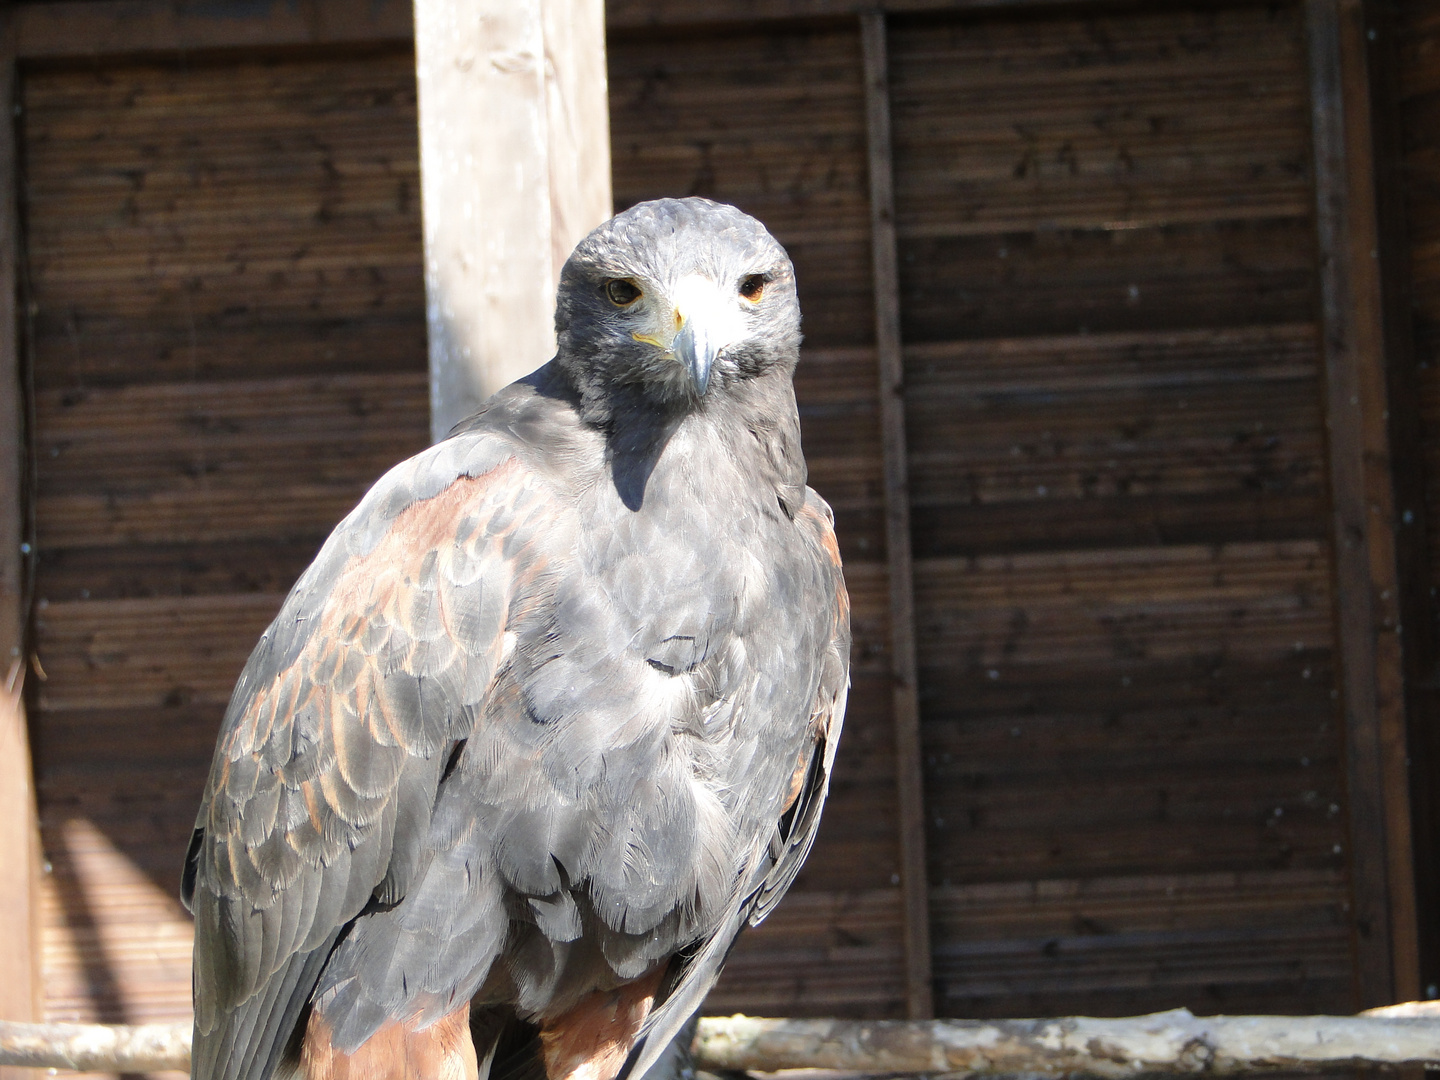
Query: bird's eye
{"type": "Point", "coordinates": [622, 293]}
{"type": "Point", "coordinates": [752, 287]}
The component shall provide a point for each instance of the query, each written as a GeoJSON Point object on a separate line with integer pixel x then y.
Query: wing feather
{"type": "Point", "coordinates": [331, 751]}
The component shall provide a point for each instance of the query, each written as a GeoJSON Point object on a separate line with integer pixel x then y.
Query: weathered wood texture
{"type": "Point", "coordinates": [1174, 1042]}
{"type": "Point", "coordinates": [19, 839]}
{"type": "Point", "coordinates": [111, 28]}
{"type": "Point", "coordinates": [1415, 104]}
{"type": "Point", "coordinates": [77, 28]}
{"type": "Point", "coordinates": [1363, 512]}
{"type": "Point", "coordinates": [224, 273]}
{"type": "Point", "coordinates": [1118, 468]}
{"type": "Point", "coordinates": [505, 200]}
{"type": "Point", "coordinates": [909, 777]}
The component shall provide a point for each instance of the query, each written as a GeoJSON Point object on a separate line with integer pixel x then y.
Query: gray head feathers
{"type": "Point", "coordinates": [673, 302]}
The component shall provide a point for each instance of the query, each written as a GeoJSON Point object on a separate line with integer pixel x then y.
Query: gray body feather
{"type": "Point", "coordinates": [528, 727]}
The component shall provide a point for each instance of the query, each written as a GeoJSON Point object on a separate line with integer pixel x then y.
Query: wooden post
{"type": "Point", "coordinates": [908, 778]}
{"type": "Point", "coordinates": [515, 169]}
{"type": "Point", "coordinates": [20, 997]}
{"type": "Point", "coordinates": [1364, 514]}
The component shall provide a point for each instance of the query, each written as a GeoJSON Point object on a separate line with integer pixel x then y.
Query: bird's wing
{"type": "Point", "coordinates": [798, 827]}
{"type": "Point", "coordinates": [340, 728]}
{"type": "Point", "coordinates": [693, 975]}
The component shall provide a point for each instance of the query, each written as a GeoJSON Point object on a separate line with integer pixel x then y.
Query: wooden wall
{"type": "Point", "coordinates": [227, 337]}
{"type": "Point", "coordinates": [1415, 30]}
{"type": "Point", "coordinates": [1142, 683]}
{"type": "Point", "coordinates": [1118, 481]}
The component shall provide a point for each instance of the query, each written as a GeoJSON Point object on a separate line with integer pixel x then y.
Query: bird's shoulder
{"type": "Point", "coordinates": [383, 647]}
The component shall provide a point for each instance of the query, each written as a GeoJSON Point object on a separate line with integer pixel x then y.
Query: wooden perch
{"type": "Point", "coordinates": [96, 1047]}
{"type": "Point", "coordinates": [1168, 1042]}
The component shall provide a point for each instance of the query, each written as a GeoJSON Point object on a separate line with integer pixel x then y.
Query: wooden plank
{"type": "Point", "coordinates": [494, 224]}
{"type": "Point", "coordinates": [908, 774]}
{"type": "Point", "coordinates": [1408, 127]}
{"type": "Point", "coordinates": [128, 27]}
{"type": "Point", "coordinates": [1364, 515]}
{"type": "Point", "coordinates": [81, 28]}
{"type": "Point", "coordinates": [647, 13]}
{"type": "Point", "coordinates": [19, 839]}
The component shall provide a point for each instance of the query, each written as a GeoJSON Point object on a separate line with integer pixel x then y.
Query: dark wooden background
{"type": "Point", "coordinates": [1155, 294]}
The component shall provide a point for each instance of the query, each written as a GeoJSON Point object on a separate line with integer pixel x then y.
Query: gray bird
{"type": "Point", "coordinates": [552, 715]}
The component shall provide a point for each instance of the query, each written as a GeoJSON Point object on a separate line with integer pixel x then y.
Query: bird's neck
{"type": "Point", "coordinates": [754, 421]}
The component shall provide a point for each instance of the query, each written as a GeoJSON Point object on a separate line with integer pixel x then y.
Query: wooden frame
{"type": "Point", "coordinates": [121, 27]}
{"type": "Point", "coordinates": [905, 700]}
{"type": "Point", "coordinates": [117, 27]}
{"type": "Point", "coordinates": [1364, 515]}
{"type": "Point", "coordinates": [19, 838]}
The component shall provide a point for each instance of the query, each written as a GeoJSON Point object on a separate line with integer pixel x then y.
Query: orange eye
{"type": "Point", "coordinates": [752, 287]}
{"type": "Point", "coordinates": [621, 293]}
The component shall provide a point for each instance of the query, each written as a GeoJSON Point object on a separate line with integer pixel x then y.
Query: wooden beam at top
{"type": "Point", "coordinates": [81, 28]}
{"type": "Point", "coordinates": [621, 14]}
{"type": "Point", "coordinates": [129, 27]}
{"type": "Point", "coordinates": [1364, 513]}
{"type": "Point", "coordinates": [20, 992]}
{"type": "Point", "coordinates": [909, 784]}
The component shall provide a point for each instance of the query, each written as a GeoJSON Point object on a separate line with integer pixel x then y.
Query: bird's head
{"type": "Point", "coordinates": [677, 300]}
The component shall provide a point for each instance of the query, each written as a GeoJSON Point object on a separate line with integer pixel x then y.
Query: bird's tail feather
{"type": "Point", "coordinates": [254, 1038]}
{"type": "Point", "coordinates": [692, 982]}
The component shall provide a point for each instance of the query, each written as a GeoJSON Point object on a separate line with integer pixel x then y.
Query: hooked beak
{"type": "Point", "coordinates": [696, 349]}
{"type": "Point", "coordinates": [704, 319]}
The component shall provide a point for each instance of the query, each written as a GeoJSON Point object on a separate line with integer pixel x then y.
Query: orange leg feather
{"type": "Point", "coordinates": [442, 1051]}
{"type": "Point", "coordinates": [592, 1040]}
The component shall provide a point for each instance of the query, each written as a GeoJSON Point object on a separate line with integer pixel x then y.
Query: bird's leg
{"type": "Point", "coordinates": [398, 1051]}
{"type": "Point", "coordinates": [592, 1040]}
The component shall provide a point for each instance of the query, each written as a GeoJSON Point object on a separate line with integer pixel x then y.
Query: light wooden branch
{"type": "Point", "coordinates": [1167, 1042]}
{"type": "Point", "coordinates": [96, 1047]}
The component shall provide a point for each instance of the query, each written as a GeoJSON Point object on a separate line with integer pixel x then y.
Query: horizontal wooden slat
{"type": "Point", "coordinates": [228, 221]}
{"type": "Point", "coordinates": [124, 653]}
{"type": "Point", "coordinates": [1130, 170]}
{"type": "Point", "coordinates": [821, 953]}
{"type": "Point", "coordinates": [90, 28]}
{"type": "Point", "coordinates": [1182, 116]}
{"type": "Point", "coordinates": [1174, 436]}
{"type": "Point", "coordinates": [75, 746]}
{"type": "Point", "coordinates": [1114, 606]}
{"type": "Point", "coordinates": [342, 431]}
{"type": "Point", "coordinates": [100, 27]}
{"type": "Point", "coordinates": [1098, 280]}
{"type": "Point", "coordinates": [268, 565]}
{"type": "Point", "coordinates": [170, 517]}
{"type": "Point", "coordinates": [117, 944]}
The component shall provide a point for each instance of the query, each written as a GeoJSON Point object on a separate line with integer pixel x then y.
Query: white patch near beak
{"type": "Point", "coordinates": [706, 318]}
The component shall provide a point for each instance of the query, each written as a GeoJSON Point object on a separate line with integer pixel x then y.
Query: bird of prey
{"type": "Point", "coordinates": [552, 715]}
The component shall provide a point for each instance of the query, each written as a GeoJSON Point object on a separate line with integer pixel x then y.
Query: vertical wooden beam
{"type": "Point", "coordinates": [19, 838]}
{"type": "Point", "coordinates": [1364, 515]}
{"type": "Point", "coordinates": [908, 777]}
{"type": "Point", "coordinates": [1407, 432]}
{"type": "Point", "coordinates": [515, 169]}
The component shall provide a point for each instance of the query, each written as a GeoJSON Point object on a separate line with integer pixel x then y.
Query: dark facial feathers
{"type": "Point", "coordinates": [555, 707]}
